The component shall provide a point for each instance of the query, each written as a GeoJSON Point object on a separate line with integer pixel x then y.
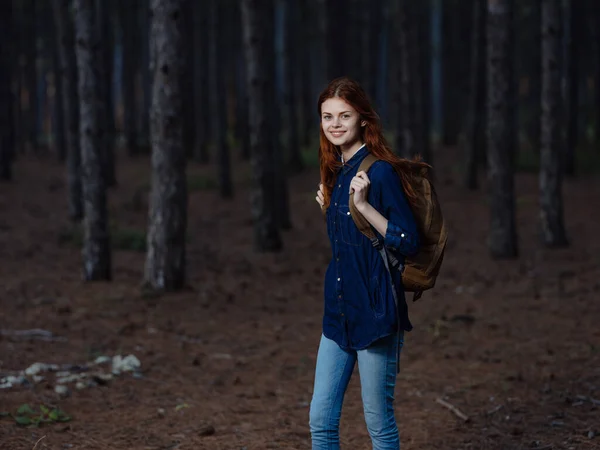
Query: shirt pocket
{"type": "Point", "coordinates": [349, 233]}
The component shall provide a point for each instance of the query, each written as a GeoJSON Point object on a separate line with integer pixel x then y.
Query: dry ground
{"type": "Point", "coordinates": [515, 345]}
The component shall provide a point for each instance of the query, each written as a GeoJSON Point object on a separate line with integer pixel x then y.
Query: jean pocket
{"type": "Point", "coordinates": [350, 234]}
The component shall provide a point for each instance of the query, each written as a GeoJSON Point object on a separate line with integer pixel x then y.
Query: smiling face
{"type": "Point", "coordinates": [341, 124]}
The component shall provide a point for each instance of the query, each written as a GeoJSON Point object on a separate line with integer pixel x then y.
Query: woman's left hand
{"type": "Point", "coordinates": [360, 186]}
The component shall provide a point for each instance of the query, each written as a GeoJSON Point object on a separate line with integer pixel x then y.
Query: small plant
{"type": "Point", "coordinates": [27, 416]}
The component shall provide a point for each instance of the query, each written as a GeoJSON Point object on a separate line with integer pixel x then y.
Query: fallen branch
{"type": "Point", "coordinates": [38, 441]}
{"type": "Point", "coordinates": [495, 410]}
{"type": "Point", "coordinates": [452, 408]}
{"type": "Point", "coordinates": [35, 333]}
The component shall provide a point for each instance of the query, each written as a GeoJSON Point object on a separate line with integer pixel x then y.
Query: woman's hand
{"type": "Point", "coordinates": [360, 186]}
{"type": "Point", "coordinates": [320, 198]}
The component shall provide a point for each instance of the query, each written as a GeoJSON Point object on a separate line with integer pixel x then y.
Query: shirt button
{"type": "Point", "coordinates": [335, 203]}
{"type": "Point", "coordinates": [402, 235]}
{"type": "Point", "coordinates": [339, 279]}
{"type": "Point", "coordinates": [342, 314]}
{"type": "Point", "coordinates": [339, 296]}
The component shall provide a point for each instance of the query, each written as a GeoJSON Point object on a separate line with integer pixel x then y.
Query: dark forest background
{"type": "Point", "coordinates": [515, 84]}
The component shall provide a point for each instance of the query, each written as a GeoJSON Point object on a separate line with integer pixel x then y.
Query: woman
{"type": "Point", "coordinates": [360, 322]}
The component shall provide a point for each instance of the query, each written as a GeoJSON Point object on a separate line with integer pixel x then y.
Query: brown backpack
{"type": "Point", "coordinates": [421, 270]}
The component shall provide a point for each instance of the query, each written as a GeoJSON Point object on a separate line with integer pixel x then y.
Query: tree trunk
{"type": "Point", "coordinates": [189, 111]}
{"type": "Point", "coordinates": [68, 81]}
{"type": "Point", "coordinates": [473, 122]}
{"type": "Point", "coordinates": [241, 103]}
{"type": "Point", "coordinates": [6, 101]}
{"type": "Point", "coordinates": [96, 243]}
{"type": "Point", "coordinates": [146, 75]}
{"type": "Point", "coordinates": [200, 37]}
{"type": "Point", "coordinates": [295, 162]}
{"type": "Point", "coordinates": [304, 41]}
{"type": "Point", "coordinates": [500, 134]}
{"type": "Point", "coordinates": [218, 95]}
{"type": "Point", "coordinates": [58, 114]}
{"type": "Point", "coordinates": [166, 256]}
{"type": "Point", "coordinates": [129, 29]}
{"type": "Point", "coordinates": [551, 201]}
{"type": "Point", "coordinates": [437, 110]}
{"type": "Point", "coordinates": [535, 78]}
{"type": "Point", "coordinates": [30, 137]}
{"type": "Point", "coordinates": [255, 15]}
{"type": "Point", "coordinates": [104, 11]}
{"type": "Point", "coordinates": [571, 84]}
{"type": "Point", "coordinates": [407, 95]}
{"type": "Point", "coordinates": [282, 209]}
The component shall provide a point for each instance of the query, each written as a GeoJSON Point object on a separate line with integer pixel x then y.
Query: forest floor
{"type": "Point", "coordinates": [229, 362]}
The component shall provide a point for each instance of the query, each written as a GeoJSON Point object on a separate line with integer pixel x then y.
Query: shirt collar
{"type": "Point", "coordinates": [355, 160]}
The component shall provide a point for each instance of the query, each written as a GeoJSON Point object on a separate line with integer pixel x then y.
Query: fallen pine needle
{"type": "Point", "coordinates": [452, 408]}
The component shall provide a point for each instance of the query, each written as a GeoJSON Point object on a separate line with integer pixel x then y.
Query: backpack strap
{"type": "Point", "coordinates": [389, 260]}
{"type": "Point", "coordinates": [361, 223]}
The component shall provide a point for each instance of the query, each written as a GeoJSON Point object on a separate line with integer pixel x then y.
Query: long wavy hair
{"type": "Point", "coordinates": [372, 135]}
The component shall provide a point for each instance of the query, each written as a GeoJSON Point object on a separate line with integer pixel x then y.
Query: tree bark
{"type": "Point", "coordinates": [255, 15]}
{"type": "Point", "coordinates": [200, 37]}
{"type": "Point", "coordinates": [68, 81]}
{"type": "Point", "coordinates": [295, 162]}
{"type": "Point", "coordinates": [218, 94]}
{"type": "Point", "coordinates": [143, 140]}
{"type": "Point", "coordinates": [30, 137]}
{"type": "Point", "coordinates": [96, 243]}
{"type": "Point", "coordinates": [500, 133]}
{"type": "Point", "coordinates": [189, 111]}
{"type": "Point", "coordinates": [551, 201]}
{"type": "Point", "coordinates": [104, 12]}
{"type": "Point", "coordinates": [129, 30]}
{"type": "Point", "coordinates": [474, 119]}
{"type": "Point", "coordinates": [571, 84]}
{"type": "Point", "coordinates": [282, 209]}
{"type": "Point", "coordinates": [166, 256]}
{"type": "Point", "coordinates": [58, 117]}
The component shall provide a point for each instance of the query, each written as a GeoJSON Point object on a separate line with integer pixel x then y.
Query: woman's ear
{"type": "Point", "coordinates": [363, 123]}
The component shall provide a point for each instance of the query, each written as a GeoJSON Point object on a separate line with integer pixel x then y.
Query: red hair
{"type": "Point", "coordinates": [372, 135]}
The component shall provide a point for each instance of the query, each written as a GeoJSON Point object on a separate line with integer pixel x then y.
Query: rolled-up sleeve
{"type": "Point", "coordinates": [402, 233]}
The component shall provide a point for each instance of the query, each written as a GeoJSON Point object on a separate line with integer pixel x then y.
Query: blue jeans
{"type": "Point", "coordinates": [377, 369]}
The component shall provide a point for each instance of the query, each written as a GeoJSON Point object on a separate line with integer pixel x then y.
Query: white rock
{"type": "Point", "coordinates": [38, 367]}
{"type": "Point", "coordinates": [70, 378]}
{"type": "Point", "coordinates": [61, 389]}
{"type": "Point", "coordinates": [80, 385]}
{"type": "Point", "coordinates": [102, 359]}
{"type": "Point", "coordinates": [127, 364]}
{"type": "Point", "coordinates": [38, 378]}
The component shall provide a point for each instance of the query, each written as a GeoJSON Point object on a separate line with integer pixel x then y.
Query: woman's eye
{"type": "Point", "coordinates": [346, 116]}
{"type": "Point", "coordinates": [326, 117]}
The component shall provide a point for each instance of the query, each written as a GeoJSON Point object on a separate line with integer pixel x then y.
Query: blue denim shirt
{"type": "Point", "coordinates": [359, 304]}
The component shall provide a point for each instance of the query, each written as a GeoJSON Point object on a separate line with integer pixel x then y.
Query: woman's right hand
{"type": "Point", "coordinates": [320, 198]}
